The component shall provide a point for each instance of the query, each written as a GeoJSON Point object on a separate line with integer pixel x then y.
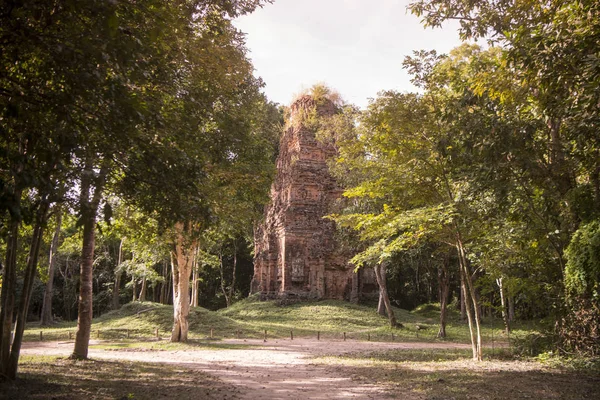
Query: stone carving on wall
{"type": "Point", "coordinates": [296, 254]}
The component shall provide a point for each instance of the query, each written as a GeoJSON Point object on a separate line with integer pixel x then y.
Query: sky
{"type": "Point", "coordinates": [355, 47]}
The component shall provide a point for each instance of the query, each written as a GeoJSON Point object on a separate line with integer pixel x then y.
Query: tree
{"type": "Point", "coordinates": [216, 129]}
{"type": "Point", "coordinates": [47, 318]}
{"type": "Point", "coordinates": [582, 283]}
{"type": "Point", "coordinates": [549, 48]}
{"type": "Point", "coordinates": [96, 82]}
{"type": "Point", "coordinates": [410, 174]}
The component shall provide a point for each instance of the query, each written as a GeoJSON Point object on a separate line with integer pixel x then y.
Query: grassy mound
{"type": "Point", "coordinates": [250, 318]}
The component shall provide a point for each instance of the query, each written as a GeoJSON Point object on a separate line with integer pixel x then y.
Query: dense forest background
{"type": "Point", "coordinates": [137, 152]}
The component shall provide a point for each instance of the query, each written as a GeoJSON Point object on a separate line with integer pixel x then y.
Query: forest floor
{"type": "Point", "coordinates": [289, 369]}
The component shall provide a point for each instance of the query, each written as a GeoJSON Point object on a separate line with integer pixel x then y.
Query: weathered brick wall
{"type": "Point", "coordinates": [296, 253]}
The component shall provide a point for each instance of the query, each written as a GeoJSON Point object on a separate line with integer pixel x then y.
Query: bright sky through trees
{"type": "Point", "coordinates": [356, 46]}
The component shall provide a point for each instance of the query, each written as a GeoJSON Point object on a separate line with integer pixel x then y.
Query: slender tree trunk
{"type": "Point", "coordinates": [134, 288]}
{"type": "Point", "coordinates": [194, 301]}
{"type": "Point", "coordinates": [116, 303]}
{"type": "Point", "coordinates": [9, 281]}
{"type": "Point", "coordinates": [556, 150]}
{"type": "Point", "coordinates": [472, 306]}
{"type": "Point", "coordinates": [155, 292]}
{"type": "Point", "coordinates": [46, 318]}
{"type": "Point", "coordinates": [511, 308]}
{"type": "Point", "coordinates": [85, 308]}
{"type": "Point", "coordinates": [444, 290]}
{"type": "Point", "coordinates": [89, 210]}
{"type": "Point", "coordinates": [9, 272]}
{"type": "Point", "coordinates": [170, 294]}
{"type": "Point", "coordinates": [380, 275]}
{"type": "Point", "coordinates": [66, 310]}
{"type": "Point", "coordinates": [143, 289]}
{"type": "Point", "coordinates": [164, 287]}
{"type": "Point", "coordinates": [185, 249]}
{"type": "Point", "coordinates": [222, 271]}
{"type": "Point", "coordinates": [503, 306]}
{"type": "Point", "coordinates": [463, 303]}
{"type": "Point", "coordinates": [381, 304]}
{"type": "Point", "coordinates": [232, 287]}
{"type": "Point", "coordinates": [30, 270]}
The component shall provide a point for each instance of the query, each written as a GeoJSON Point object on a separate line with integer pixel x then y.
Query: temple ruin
{"type": "Point", "coordinates": [296, 252]}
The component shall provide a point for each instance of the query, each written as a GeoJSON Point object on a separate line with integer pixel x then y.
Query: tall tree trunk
{"type": "Point", "coordinates": [9, 272]}
{"type": "Point", "coordinates": [556, 149]}
{"type": "Point", "coordinates": [155, 292]}
{"type": "Point", "coordinates": [30, 270]}
{"type": "Point", "coordinates": [443, 291]}
{"type": "Point", "coordinates": [89, 209]}
{"type": "Point", "coordinates": [194, 301]}
{"type": "Point", "coordinates": [471, 303]}
{"type": "Point", "coordinates": [118, 275]}
{"type": "Point", "coordinates": [381, 304]}
{"type": "Point", "coordinates": [503, 306]}
{"type": "Point", "coordinates": [511, 308]}
{"type": "Point", "coordinates": [232, 287]}
{"type": "Point", "coordinates": [380, 275]}
{"type": "Point", "coordinates": [222, 271]}
{"type": "Point", "coordinates": [46, 318]}
{"type": "Point", "coordinates": [463, 303]}
{"type": "Point", "coordinates": [143, 289]}
{"type": "Point", "coordinates": [164, 288]}
{"type": "Point", "coordinates": [134, 288]}
{"type": "Point", "coordinates": [9, 281]}
{"type": "Point", "coordinates": [182, 260]}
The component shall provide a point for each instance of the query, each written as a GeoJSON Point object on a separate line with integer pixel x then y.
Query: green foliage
{"type": "Point", "coordinates": [582, 273]}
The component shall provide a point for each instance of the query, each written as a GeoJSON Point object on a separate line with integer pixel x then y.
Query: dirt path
{"type": "Point", "coordinates": [279, 369]}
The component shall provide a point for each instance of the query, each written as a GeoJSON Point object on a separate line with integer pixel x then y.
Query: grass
{"type": "Point", "coordinates": [424, 373]}
{"type": "Point", "coordinates": [250, 318]}
{"type": "Point", "coordinates": [450, 374]}
{"type": "Point", "coordinates": [45, 377]}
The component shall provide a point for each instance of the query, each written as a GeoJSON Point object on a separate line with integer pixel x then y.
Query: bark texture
{"type": "Point", "coordinates": [9, 279]}
{"type": "Point", "coordinates": [182, 260]}
{"type": "Point", "coordinates": [30, 271]}
{"type": "Point", "coordinates": [90, 182]}
{"type": "Point", "coordinates": [471, 303]}
{"type": "Point", "coordinates": [505, 317]}
{"type": "Point", "coordinates": [46, 318]}
{"type": "Point", "coordinates": [118, 275]}
{"type": "Point", "coordinates": [381, 276]}
{"type": "Point", "coordinates": [444, 291]}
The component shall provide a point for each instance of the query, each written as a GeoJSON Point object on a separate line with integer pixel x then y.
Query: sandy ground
{"type": "Point", "coordinates": [279, 369]}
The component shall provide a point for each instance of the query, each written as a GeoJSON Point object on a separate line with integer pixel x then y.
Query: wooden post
{"type": "Point", "coordinates": [158, 337]}
{"type": "Point", "coordinates": [41, 336]}
{"type": "Point", "coordinates": [70, 335]}
{"type": "Point", "coordinates": [127, 333]}
{"type": "Point", "coordinates": [291, 334]}
{"type": "Point", "coordinates": [344, 336]}
{"type": "Point", "coordinates": [392, 336]}
{"type": "Point", "coordinates": [238, 333]}
{"type": "Point", "coordinates": [318, 335]}
{"type": "Point", "coordinates": [265, 335]}
{"type": "Point", "coordinates": [369, 337]}
{"type": "Point", "coordinates": [211, 333]}
{"type": "Point", "coordinates": [98, 333]}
